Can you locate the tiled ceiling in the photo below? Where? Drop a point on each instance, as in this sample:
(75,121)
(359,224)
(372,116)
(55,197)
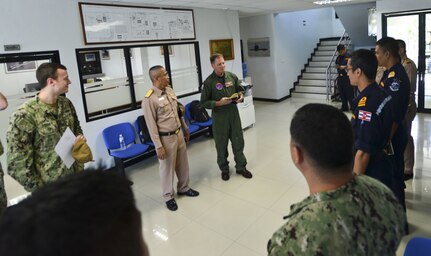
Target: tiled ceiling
(245,7)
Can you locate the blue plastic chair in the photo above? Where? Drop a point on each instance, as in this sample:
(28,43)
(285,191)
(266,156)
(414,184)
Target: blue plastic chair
(110,137)
(418,246)
(142,130)
(190,119)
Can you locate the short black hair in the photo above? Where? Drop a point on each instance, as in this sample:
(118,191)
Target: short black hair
(401,44)
(215,56)
(89,213)
(340,47)
(325,135)
(48,70)
(154,70)
(389,44)
(365,60)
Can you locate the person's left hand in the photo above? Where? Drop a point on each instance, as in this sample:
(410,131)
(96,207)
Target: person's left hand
(241,98)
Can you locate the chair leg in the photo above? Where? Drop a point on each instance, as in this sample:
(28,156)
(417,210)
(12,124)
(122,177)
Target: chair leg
(120,166)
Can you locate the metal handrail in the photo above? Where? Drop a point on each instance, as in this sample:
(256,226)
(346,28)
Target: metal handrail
(329,80)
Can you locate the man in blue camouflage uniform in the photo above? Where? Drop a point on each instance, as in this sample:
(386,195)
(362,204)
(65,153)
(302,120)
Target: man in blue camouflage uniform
(37,126)
(3,197)
(345,214)
(218,94)
(371,119)
(397,84)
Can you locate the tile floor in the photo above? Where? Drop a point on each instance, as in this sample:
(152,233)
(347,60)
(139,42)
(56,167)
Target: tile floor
(237,217)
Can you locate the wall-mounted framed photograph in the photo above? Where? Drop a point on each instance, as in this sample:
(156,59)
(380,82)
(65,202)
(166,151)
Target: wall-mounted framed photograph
(258,47)
(170,50)
(105,55)
(222,46)
(20,66)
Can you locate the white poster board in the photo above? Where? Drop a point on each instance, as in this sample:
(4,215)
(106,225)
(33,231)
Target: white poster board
(105,23)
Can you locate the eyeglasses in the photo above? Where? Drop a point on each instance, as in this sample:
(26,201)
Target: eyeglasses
(349,68)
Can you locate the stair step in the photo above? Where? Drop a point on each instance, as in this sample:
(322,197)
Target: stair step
(327,48)
(314,76)
(323,53)
(329,42)
(310,89)
(317,96)
(312,69)
(322,58)
(313,82)
(319,64)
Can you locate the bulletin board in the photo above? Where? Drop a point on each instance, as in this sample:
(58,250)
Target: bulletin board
(107,23)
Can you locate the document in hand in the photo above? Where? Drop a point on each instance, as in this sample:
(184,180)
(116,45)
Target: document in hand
(64,147)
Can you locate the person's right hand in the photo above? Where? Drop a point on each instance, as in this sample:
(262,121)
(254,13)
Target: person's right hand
(225,101)
(161,153)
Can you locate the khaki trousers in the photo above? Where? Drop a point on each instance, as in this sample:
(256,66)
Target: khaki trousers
(409,153)
(175,161)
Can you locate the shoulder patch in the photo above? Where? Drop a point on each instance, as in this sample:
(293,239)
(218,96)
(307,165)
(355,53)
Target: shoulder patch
(407,61)
(150,91)
(391,74)
(362,102)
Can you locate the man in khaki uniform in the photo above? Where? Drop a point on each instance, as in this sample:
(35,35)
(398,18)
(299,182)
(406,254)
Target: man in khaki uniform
(411,70)
(36,127)
(3,197)
(160,107)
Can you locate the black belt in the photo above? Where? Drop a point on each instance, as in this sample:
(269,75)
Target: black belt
(169,133)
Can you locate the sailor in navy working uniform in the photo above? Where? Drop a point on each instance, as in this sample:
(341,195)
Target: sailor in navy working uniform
(396,83)
(346,90)
(371,119)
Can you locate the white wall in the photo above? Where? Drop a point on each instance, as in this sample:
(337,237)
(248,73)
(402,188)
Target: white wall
(385,6)
(55,25)
(293,35)
(261,69)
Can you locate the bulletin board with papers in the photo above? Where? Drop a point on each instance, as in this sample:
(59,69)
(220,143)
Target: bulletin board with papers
(107,23)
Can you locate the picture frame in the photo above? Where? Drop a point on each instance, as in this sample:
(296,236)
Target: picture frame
(20,66)
(105,55)
(170,50)
(224,47)
(259,47)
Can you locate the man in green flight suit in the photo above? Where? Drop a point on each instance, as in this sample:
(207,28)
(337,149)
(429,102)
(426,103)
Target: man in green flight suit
(221,92)
(37,126)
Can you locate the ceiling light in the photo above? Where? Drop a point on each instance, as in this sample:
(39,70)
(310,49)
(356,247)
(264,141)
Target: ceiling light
(330,1)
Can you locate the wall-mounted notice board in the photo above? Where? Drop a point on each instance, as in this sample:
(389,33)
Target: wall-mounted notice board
(108,23)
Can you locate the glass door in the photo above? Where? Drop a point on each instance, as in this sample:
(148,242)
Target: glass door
(415,29)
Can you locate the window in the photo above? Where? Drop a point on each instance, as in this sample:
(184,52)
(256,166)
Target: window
(120,74)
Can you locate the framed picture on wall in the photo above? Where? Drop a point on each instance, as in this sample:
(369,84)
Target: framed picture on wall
(170,50)
(104,55)
(222,46)
(20,66)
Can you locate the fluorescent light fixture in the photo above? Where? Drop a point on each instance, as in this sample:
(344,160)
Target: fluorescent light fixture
(330,1)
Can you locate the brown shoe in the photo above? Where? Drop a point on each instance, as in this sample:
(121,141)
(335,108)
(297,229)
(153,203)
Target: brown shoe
(245,173)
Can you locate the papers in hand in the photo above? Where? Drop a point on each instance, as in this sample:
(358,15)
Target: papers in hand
(64,147)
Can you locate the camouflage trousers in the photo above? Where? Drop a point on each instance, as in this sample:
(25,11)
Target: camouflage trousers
(3,198)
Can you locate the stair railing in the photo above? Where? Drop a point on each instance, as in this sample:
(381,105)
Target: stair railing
(344,39)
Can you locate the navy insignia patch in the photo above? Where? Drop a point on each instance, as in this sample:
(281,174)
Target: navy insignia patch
(395,86)
(362,102)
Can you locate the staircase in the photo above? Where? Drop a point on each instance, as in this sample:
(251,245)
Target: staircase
(311,83)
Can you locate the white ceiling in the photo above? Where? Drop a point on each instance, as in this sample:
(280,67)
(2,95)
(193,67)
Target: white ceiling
(245,7)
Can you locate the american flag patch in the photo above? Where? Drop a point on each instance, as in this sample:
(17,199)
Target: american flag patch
(365,115)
